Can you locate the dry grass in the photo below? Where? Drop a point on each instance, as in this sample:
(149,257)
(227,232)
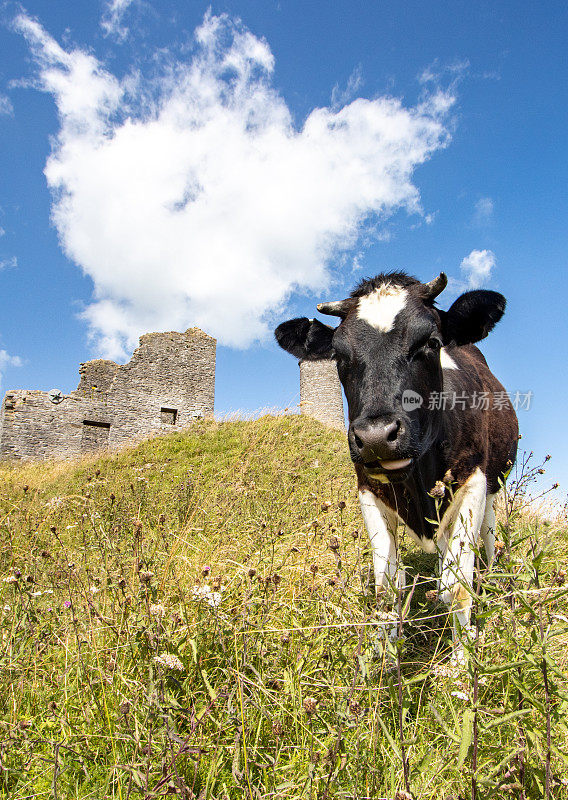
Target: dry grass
(236,552)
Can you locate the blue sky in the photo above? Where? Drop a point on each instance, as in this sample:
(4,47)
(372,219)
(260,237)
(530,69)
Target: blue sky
(232,164)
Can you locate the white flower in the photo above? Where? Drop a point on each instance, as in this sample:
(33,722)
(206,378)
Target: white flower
(94,589)
(169,661)
(460,695)
(206,593)
(10,579)
(55,502)
(157,610)
(37,594)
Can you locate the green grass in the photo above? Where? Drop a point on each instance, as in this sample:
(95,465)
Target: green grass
(280,690)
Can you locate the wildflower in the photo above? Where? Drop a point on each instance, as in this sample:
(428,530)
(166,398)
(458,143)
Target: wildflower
(460,695)
(205,570)
(354,708)
(157,610)
(170,661)
(94,590)
(146,576)
(355,534)
(310,705)
(439,489)
(431,595)
(37,594)
(54,502)
(205,593)
(67,603)
(341,504)
(314,568)
(326,505)
(333,543)
(251,572)
(10,579)
(499,547)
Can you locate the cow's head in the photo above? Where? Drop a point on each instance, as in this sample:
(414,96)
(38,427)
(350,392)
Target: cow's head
(387,346)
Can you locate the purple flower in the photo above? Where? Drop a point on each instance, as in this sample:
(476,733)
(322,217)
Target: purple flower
(67,603)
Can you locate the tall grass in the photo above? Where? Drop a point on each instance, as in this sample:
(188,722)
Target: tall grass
(196,617)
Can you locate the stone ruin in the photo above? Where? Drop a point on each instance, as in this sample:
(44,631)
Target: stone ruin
(320,393)
(168,382)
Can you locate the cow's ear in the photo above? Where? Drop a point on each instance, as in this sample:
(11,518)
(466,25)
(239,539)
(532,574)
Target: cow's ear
(472,316)
(305,338)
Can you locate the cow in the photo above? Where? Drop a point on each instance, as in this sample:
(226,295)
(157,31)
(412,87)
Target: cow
(432,433)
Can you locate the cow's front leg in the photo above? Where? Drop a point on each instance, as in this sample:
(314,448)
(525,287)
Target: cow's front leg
(457,545)
(380,523)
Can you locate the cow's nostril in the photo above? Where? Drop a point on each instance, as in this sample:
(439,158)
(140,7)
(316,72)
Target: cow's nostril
(393,431)
(358,441)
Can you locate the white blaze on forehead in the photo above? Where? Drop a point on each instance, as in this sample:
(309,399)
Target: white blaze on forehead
(380,308)
(447,361)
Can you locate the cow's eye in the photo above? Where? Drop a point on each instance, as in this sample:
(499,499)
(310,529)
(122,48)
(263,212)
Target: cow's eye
(433,343)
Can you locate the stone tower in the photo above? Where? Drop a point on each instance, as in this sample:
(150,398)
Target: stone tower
(320,392)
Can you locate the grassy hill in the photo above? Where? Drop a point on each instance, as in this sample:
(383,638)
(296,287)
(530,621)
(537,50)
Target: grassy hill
(194,617)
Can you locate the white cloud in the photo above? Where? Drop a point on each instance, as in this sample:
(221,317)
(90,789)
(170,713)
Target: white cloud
(341,96)
(483,212)
(477,267)
(7,360)
(7,263)
(193,199)
(6,107)
(111,21)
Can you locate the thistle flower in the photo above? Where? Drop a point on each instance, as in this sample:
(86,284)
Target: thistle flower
(439,489)
(310,705)
(169,661)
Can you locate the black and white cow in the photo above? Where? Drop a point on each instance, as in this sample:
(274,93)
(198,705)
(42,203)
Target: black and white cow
(423,408)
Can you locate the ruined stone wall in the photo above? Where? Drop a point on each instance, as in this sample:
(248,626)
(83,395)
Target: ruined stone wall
(169,381)
(320,392)
(96,377)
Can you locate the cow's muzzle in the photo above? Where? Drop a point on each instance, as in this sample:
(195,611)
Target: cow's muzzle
(380,445)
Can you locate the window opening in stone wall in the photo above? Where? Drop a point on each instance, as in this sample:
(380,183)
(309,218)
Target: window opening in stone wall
(95,435)
(168,416)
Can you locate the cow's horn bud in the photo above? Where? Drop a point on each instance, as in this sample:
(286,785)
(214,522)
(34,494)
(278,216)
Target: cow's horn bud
(437,285)
(339,308)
